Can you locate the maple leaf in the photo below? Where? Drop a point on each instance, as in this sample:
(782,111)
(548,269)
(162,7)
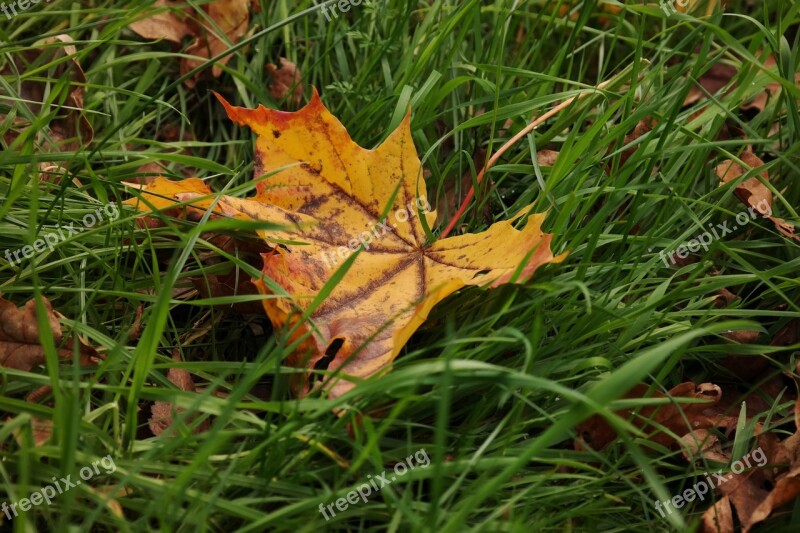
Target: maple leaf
(328,195)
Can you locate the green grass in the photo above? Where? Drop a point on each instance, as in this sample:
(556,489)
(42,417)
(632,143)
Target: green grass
(493,385)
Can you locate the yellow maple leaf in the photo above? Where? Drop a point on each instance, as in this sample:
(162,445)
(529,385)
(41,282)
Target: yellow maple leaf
(335,198)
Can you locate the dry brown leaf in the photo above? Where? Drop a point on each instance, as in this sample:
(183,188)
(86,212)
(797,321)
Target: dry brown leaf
(546,158)
(719,517)
(456,190)
(170,22)
(234,283)
(700,444)
(20,347)
(231,19)
(68,129)
(162,414)
(720,74)
(711,82)
(597,433)
(285,78)
(752,192)
(771,90)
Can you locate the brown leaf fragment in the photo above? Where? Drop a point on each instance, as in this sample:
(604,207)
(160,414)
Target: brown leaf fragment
(455,191)
(718,518)
(232,17)
(285,78)
(724,298)
(68,128)
(162,413)
(721,74)
(41,431)
(230,21)
(170,22)
(643,127)
(700,444)
(677,418)
(235,282)
(788,335)
(770,91)
(714,79)
(20,347)
(752,192)
(546,158)
(745,366)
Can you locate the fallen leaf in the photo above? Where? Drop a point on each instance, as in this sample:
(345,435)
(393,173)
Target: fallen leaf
(175,21)
(721,74)
(285,78)
(232,17)
(327,202)
(711,82)
(643,127)
(719,517)
(234,283)
(68,128)
(771,90)
(162,414)
(20,347)
(169,20)
(680,419)
(752,192)
(546,158)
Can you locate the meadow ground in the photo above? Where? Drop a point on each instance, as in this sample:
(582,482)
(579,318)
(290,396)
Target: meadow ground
(486,401)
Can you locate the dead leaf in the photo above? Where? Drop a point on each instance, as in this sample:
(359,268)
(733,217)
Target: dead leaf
(643,127)
(171,22)
(20,347)
(235,282)
(285,78)
(719,517)
(68,128)
(456,190)
(770,91)
(680,419)
(711,82)
(330,201)
(174,21)
(546,158)
(162,414)
(721,74)
(752,192)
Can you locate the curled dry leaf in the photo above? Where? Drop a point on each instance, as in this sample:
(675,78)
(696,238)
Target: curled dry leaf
(175,21)
(285,78)
(20,347)
(752,192)
(679,419)
(329,200)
